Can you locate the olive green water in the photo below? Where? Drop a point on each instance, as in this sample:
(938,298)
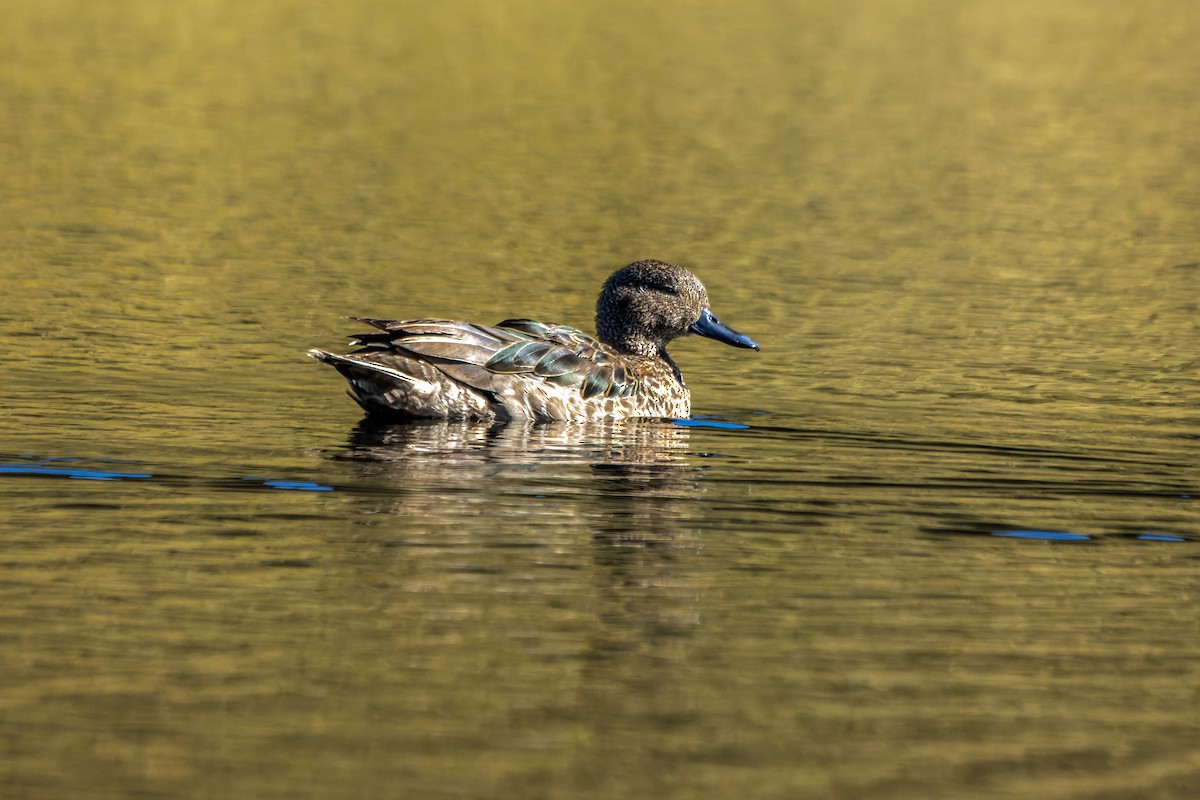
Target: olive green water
(945,547)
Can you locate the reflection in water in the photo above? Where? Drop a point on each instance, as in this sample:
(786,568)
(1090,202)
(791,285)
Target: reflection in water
(618,480)
(458,453)
(621,484)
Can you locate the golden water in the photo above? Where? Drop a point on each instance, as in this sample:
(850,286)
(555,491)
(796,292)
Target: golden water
(966,234)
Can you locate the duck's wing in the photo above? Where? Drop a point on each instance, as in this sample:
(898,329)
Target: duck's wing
(441,339)
(514,358)
(559,334)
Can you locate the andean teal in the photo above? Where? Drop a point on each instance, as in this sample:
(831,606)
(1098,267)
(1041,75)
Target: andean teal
(522,369)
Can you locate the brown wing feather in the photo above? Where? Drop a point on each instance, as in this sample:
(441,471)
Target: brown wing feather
(525,368)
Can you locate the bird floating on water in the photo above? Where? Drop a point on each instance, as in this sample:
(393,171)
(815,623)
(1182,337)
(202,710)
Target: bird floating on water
(522,369)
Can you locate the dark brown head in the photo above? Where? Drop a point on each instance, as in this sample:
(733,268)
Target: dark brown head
(647,304)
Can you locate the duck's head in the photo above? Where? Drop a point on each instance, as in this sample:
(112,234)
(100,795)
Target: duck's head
(647,304)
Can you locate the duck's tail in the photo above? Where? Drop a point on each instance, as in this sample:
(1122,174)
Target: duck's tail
(350,364)
(373,385)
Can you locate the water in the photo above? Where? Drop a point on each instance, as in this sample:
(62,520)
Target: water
(937,540)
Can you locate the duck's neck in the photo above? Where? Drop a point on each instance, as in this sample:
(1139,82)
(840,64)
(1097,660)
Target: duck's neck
(643,347)
(662,353)
(633,345)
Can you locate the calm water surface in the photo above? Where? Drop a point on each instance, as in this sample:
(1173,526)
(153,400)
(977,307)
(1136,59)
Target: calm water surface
(939,539)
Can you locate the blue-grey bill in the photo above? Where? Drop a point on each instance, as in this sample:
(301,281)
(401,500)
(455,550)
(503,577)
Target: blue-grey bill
(708,325)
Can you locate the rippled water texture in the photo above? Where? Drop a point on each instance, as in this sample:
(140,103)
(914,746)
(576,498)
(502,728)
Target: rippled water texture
(939,539)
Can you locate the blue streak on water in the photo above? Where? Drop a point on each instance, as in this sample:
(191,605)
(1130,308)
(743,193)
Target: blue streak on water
(301,486)
(102,475)
(1160,537)
(1050,536)
(66,472)
(708,423)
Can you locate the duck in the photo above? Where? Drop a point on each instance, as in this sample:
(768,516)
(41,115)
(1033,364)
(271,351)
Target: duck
(522,369)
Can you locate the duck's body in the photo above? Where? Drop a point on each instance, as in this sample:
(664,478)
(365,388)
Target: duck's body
(522,369)
(519,369)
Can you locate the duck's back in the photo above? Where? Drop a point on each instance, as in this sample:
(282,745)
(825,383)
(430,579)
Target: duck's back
(519,369)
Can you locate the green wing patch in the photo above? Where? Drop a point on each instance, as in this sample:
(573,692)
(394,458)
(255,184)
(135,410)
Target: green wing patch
(565,357)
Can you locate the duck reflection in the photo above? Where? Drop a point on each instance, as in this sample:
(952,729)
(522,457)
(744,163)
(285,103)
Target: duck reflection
(620,480)
(606,513)
(487,449)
